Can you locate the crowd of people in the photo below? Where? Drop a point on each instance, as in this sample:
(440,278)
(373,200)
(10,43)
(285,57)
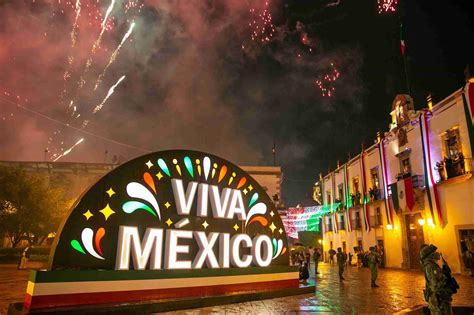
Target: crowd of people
(440,284)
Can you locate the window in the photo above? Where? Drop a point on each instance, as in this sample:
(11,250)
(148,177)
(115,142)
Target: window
(341,192)
(342,223)
(359,245)
(355,184)
(344,247)
(378,216)
(452,143)
(405,165)
(374,174)
(330,244)
(328,196)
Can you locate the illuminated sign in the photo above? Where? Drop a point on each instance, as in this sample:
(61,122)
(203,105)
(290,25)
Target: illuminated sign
(172,210)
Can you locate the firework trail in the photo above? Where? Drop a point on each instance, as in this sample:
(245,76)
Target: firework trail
(96,44)
(68,150)
(332,4)
(73,35)
(111,91)
(114,55)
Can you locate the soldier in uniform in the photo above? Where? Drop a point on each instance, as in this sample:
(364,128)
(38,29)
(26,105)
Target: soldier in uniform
(374,261)
(341,262)
(438,293)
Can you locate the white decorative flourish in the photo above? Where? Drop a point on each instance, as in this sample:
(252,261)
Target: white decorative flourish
(137,190)
(206,164)
(87,236)
(259,208)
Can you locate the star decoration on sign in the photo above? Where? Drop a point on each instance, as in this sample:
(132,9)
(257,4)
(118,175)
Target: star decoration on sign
(167,205)
(88,215)
(236,227)
(280,230)
(272,227)
(110,192)
(149,164)
(250,188)
(272,213)
(245,191)
(169,222)
(159,175)
(107,212)
(205,224)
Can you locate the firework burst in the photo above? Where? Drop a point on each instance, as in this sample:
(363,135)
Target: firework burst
(387,6)
(325,84)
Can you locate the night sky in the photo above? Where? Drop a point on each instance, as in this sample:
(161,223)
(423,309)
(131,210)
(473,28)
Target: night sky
(194,78)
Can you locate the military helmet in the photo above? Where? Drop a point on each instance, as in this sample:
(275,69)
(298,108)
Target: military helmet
(427,251)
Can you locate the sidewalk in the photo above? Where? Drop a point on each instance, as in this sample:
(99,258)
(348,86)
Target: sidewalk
(399,289)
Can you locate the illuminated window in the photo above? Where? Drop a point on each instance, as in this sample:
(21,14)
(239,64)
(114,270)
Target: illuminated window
(355,184)
(374,174)
(341,192)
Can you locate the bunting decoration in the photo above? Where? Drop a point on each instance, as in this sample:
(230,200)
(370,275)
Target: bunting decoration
(364,192)
(388,206)
(347,196)
(431,186)
(333,201)
(468,101)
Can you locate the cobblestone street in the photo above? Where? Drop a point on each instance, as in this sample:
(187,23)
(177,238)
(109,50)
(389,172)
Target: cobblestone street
(399,289)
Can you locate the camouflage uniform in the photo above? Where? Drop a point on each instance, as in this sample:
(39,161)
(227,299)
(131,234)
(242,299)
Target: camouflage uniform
(437,292)
(374,260)
(341,261)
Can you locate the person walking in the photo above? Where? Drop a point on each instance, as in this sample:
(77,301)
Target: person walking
(24,258)
(316,258)
(350,259)
(341,262)
(374,261)
(439,283)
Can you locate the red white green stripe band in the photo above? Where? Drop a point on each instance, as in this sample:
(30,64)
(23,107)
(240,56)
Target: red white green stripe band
(66,288)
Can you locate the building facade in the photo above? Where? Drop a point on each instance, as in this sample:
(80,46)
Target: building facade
(413,186)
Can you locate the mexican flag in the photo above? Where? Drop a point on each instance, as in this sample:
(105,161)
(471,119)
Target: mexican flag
(402,194)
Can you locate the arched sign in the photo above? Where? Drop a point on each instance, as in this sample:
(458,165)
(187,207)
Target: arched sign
(168,215)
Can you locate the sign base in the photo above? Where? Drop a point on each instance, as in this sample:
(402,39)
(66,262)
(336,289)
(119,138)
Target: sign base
(48,290)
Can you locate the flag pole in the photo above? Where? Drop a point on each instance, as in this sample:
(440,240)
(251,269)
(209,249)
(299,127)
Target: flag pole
(403,48)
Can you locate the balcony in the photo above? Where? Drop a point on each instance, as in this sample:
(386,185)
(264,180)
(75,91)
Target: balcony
(376,221)
(451,168)
(375,194)
(417,180)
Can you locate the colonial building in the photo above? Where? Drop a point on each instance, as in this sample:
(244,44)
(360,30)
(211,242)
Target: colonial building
(413,186)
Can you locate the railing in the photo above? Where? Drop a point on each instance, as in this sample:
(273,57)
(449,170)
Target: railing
(375,194)
(450,168)
(376,221)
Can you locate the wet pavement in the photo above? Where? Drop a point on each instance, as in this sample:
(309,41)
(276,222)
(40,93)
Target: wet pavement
(399,289)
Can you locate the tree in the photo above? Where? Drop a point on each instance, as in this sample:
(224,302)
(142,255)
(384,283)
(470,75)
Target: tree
(29,208)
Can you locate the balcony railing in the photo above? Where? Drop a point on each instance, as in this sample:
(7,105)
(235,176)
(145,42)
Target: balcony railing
(375,194)
(376,221)
(450,168)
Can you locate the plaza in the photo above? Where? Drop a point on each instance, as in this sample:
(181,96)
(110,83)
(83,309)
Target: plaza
(399,290)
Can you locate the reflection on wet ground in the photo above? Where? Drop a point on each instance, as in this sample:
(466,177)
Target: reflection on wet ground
(399,289)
